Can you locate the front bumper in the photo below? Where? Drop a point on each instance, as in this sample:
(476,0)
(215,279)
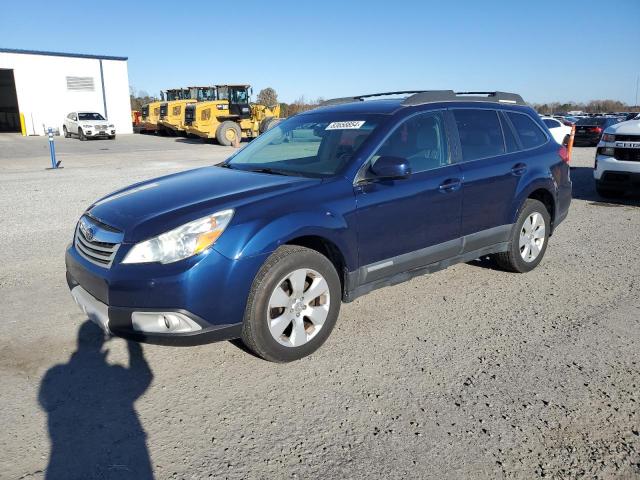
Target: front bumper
(110,132)
(209,289)
(605,163)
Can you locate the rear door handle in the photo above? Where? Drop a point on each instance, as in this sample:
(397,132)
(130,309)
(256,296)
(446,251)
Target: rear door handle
(450,185)
(519,169)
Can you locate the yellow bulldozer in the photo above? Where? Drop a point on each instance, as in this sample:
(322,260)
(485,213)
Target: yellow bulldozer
(171,121)
(230,117)
(150,116)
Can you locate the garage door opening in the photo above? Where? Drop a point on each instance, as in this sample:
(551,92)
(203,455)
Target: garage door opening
(9,115)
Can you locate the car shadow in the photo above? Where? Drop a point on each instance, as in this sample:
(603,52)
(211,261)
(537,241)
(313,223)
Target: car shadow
(93,426)
(584,188)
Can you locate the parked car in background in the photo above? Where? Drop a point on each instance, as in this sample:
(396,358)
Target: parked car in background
(589,130)
(323,208)
(558,129)
(617,168)
(88,125)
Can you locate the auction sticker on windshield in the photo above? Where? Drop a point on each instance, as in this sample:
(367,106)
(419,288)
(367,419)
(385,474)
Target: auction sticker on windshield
(352,125)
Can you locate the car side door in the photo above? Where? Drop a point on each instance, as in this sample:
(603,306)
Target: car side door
(491,170)
(407,223)
(497,155)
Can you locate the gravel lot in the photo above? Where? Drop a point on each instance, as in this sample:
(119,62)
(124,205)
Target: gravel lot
(467,373)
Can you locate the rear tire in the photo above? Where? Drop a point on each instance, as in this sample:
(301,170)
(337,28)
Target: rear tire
(228,133)
(314,316)
(81,135)
(529,239)
(268,123)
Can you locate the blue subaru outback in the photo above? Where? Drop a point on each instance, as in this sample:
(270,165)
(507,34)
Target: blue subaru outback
(331,204)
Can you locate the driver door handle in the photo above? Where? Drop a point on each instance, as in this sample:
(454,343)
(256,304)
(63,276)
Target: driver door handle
(450,185)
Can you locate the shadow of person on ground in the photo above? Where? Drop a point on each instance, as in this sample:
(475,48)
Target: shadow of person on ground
(93,426)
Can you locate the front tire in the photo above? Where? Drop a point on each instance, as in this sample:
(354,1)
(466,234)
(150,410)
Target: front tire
(228,133)
(293,304)
(529,239)
(81,135)
(65,131)
(112,137)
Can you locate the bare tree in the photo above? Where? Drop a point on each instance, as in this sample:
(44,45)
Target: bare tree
(268,97)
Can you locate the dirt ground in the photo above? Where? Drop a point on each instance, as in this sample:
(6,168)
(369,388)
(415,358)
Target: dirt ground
(466,373)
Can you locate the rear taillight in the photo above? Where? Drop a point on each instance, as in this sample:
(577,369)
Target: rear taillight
(595,129)
(564,154)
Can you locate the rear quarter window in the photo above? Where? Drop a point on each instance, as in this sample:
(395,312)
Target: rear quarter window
(529,132)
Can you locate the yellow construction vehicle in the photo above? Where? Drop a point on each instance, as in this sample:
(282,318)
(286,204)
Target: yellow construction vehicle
(171,121)
(150,117)
(229,117)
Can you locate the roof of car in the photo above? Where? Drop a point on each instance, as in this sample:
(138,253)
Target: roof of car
(373,104)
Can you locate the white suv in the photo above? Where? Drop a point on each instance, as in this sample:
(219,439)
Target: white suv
(88,125)
(617,168)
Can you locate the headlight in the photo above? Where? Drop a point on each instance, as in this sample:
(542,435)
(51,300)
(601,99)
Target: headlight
(112,126)
(182,242)
(608,137)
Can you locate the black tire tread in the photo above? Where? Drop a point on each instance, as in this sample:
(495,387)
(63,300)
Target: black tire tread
(506,260)
(248,336)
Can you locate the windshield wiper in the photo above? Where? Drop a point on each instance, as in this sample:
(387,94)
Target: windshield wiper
(270,171)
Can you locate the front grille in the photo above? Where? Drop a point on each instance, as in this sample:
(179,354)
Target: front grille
(627,138)
(627,154)
(99,253)
(101,127)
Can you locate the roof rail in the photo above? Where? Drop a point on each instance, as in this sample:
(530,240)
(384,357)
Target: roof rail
(360,98)
(419,97)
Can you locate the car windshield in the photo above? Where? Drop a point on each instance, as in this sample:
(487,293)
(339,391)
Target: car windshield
(90,116)
(313,145)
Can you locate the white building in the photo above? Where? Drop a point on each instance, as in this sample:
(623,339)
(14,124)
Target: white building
(45,86)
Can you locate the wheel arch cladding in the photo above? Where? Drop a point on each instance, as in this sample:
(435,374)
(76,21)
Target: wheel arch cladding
(327,248)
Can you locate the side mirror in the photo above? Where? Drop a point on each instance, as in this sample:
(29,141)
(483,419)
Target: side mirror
(391,168)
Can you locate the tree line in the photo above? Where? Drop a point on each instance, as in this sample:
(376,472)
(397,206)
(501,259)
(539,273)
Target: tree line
(594,106)
(269,97)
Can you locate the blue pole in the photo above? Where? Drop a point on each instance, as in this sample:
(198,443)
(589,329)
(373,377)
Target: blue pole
(52,150)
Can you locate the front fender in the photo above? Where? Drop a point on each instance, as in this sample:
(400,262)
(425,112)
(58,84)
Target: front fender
(259,238)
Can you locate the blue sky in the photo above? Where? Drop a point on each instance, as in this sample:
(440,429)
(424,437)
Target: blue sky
(545,50)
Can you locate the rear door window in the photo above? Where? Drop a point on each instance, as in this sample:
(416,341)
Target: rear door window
(480,133)
(530,133)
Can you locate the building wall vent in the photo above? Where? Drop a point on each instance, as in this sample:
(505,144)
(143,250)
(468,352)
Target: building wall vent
(83,84)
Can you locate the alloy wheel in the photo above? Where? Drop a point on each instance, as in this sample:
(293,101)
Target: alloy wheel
(298,307)
(532,237)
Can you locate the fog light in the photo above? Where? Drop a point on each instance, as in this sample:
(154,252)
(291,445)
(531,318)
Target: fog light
(163,322)
(608,151)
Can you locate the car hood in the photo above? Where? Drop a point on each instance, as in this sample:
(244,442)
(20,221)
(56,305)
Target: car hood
(630,127)
(149,208)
